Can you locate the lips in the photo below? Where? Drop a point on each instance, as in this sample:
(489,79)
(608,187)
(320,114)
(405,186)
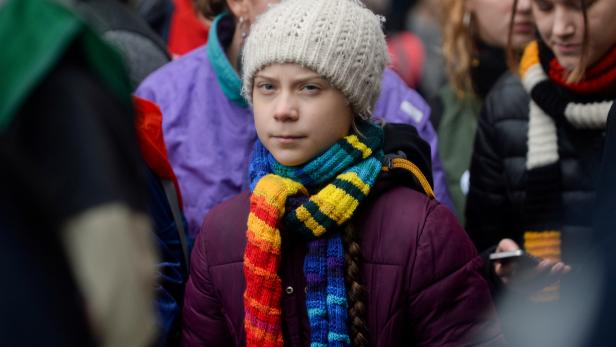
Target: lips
(287,136)
(287,139)
(567,48)
(523,28)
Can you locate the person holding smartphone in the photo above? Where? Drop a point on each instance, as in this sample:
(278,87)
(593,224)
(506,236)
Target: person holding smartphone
(538,149)
(540,137)
(539,142)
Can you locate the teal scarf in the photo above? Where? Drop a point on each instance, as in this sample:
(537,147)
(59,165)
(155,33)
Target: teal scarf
(227,77)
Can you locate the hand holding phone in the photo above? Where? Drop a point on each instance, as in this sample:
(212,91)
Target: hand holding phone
(519,269)
(521,258)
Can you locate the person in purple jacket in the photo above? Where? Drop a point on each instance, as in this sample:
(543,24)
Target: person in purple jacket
(208,126)
(327,249)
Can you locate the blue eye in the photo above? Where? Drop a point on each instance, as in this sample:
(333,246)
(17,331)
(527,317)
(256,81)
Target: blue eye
(265,87)
(311,88)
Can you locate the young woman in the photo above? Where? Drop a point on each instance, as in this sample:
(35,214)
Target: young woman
(208,126)
(540,139)
(324,250)
(475,41)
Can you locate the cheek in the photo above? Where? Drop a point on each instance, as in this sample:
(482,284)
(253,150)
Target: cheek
(342,128)
(544,28)
(332,132)
(343,123)
(543,22)
(601,33)
(259,127)
(492,29)
(259,118)
(501,29)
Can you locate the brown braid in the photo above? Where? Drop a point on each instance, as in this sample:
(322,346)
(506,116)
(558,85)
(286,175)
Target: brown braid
(356,292)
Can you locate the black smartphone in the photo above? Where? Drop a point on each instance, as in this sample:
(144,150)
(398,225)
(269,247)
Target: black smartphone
(518,256)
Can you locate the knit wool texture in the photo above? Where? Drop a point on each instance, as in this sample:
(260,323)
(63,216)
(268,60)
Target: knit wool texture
(340,40)
(343,176)
(598,78)
(543,202)
(547,105)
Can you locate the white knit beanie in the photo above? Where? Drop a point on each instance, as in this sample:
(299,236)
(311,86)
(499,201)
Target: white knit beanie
(341,40)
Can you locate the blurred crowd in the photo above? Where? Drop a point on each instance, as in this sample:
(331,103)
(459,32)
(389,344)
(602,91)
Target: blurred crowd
(129,128)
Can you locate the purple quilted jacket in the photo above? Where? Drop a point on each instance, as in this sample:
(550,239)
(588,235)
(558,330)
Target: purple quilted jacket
(421,272)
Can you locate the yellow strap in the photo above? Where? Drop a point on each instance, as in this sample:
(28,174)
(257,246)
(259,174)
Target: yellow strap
(401,163)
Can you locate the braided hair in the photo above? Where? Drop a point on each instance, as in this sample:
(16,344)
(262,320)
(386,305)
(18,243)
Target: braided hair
(356,291)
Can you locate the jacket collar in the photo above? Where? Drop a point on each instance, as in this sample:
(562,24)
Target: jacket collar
(228,79)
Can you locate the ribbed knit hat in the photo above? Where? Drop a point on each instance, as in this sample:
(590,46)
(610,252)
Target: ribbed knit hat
(341,40)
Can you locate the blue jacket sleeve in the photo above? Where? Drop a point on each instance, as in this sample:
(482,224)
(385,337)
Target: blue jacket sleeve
(172,272)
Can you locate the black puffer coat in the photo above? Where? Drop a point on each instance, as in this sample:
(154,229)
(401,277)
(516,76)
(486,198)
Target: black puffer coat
(498,171)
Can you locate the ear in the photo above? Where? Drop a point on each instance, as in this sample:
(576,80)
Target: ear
(239,8)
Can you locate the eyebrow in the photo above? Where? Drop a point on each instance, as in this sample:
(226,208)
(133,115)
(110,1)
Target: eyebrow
(303,78)
(586,3)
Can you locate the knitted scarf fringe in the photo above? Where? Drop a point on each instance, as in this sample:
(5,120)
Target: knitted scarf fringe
(542,138)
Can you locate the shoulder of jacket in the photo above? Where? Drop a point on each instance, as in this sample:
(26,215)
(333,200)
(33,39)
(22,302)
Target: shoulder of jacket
(223,233)
(400,209)
(507,99)
(399,103)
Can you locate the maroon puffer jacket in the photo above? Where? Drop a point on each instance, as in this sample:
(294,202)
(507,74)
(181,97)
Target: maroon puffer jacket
(421,271)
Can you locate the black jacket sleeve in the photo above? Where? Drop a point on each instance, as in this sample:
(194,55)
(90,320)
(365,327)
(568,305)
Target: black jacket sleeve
(490,214)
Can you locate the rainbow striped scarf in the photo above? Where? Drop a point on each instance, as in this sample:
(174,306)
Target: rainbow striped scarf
(343,176)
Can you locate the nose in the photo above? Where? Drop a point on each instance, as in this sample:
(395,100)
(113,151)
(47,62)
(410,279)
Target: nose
(564,22)
(523,6)
(285,108)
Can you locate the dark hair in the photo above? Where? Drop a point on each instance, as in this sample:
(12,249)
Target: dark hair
(578,73)
(356,291)
(210,8)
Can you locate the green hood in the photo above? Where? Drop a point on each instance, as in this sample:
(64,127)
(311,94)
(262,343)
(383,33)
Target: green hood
(35,35)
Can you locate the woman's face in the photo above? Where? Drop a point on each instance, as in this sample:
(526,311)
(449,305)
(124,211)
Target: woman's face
(492,18)
(298,114)
(561,25)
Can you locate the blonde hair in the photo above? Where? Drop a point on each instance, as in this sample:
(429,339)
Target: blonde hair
(458,46)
